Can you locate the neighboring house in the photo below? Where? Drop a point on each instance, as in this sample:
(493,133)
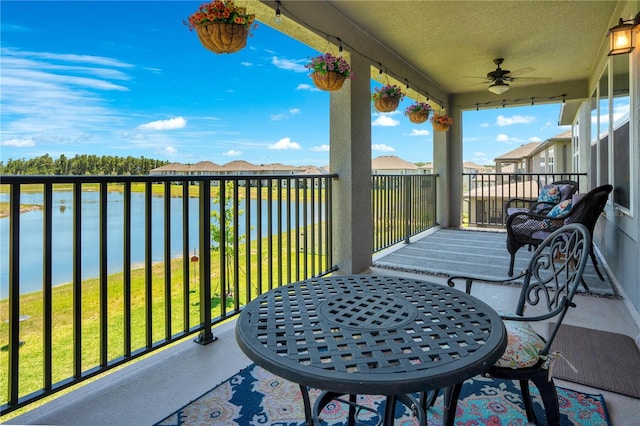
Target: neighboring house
(553,155)
(392,165)
(171,169)
(550,156)
(427,168)
(520,158)
(476,175)
(384,165)
(486,203)
(471,167)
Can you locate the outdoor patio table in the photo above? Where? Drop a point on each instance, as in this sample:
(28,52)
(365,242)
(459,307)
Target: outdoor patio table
(372,335)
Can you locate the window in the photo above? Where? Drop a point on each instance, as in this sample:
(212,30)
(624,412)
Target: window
(593,155)
(603,128)
(621,135)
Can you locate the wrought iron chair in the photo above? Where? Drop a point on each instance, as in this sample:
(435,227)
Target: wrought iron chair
(525,228)
(549,196)
(550,282)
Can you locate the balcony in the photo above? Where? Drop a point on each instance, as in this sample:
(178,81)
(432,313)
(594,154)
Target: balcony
(150,389)
(160,368)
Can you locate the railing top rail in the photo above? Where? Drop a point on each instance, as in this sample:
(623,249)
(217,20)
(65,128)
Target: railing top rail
(13,179)
(529,174)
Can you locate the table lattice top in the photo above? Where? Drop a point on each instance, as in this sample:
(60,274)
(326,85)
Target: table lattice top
(371,334)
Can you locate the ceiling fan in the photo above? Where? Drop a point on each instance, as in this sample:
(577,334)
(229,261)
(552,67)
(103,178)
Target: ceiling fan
(500,78)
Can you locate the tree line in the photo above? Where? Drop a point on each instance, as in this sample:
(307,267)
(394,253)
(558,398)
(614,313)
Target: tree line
(80,165)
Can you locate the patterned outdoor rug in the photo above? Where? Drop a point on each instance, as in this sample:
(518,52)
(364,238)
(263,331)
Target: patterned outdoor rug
(481,254)
(256,397)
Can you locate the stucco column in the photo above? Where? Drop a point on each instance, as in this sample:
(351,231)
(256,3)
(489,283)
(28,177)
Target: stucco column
(447,163)
(350,158)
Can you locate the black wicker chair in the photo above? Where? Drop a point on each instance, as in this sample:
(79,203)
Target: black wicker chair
(518,205)
(526,228)
(550,282)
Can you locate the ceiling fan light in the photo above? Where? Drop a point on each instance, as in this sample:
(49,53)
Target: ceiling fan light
(499,88)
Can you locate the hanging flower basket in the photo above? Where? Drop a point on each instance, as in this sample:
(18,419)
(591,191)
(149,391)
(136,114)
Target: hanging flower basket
(222,38)
(386,104)
(418,112)
(331,81)
(418,117)
(387,98)
(441,122)
(329,72)
(222,27)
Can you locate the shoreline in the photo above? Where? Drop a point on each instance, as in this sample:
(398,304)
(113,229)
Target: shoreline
(4,211)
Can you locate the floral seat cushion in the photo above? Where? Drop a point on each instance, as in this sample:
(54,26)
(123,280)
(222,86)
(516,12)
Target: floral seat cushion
(523,346)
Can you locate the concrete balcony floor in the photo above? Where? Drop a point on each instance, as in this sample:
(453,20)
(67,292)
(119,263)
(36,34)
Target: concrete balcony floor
(149,390)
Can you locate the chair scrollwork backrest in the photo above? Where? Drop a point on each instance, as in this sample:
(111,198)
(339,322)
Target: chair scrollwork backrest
(554,274)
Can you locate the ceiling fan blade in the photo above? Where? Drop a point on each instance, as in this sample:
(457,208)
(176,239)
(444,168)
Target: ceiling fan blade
(530,78)
(521,71)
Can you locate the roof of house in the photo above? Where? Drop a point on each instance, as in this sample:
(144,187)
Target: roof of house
(562,136)
(173,167)
(206,166)
(519,153)
(240,165)
(391,162)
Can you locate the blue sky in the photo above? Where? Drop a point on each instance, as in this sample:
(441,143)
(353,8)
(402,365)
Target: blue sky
(129,79)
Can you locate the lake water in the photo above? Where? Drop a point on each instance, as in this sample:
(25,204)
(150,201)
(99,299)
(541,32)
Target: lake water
(31,252)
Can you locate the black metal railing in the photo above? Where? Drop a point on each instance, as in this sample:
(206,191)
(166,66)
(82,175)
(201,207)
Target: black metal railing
(402,206)
(484,194)
(149,260)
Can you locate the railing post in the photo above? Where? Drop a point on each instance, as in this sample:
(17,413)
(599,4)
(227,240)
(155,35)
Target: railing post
(407,208)
(206,336)
(13,376)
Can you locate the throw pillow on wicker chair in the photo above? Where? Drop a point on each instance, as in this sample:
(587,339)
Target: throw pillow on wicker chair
(556,211)
(523,345)
(549,194)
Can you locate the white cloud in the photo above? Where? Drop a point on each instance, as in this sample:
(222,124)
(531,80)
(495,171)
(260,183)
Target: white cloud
(66,99)
(285,143)
(19,143)
(419,132)
(304,86)
(246,64)
(535,139)
(171,124)
(509,139)
(170,150)
(232,153)
(285,115)
(295,65)
(516,119)
(385,121)
(485,125)
(382,147)
(321,148)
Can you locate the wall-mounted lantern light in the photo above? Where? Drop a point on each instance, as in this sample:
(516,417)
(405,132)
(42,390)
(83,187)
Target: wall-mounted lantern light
(622,36)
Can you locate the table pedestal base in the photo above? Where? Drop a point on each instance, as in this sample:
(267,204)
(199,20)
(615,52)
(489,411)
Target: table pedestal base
(354,409)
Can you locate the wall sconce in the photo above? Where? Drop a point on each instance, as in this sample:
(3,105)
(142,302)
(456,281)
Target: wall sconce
(622,36)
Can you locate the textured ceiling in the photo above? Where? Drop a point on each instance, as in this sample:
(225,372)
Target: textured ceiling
(447,47)
(454,41)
